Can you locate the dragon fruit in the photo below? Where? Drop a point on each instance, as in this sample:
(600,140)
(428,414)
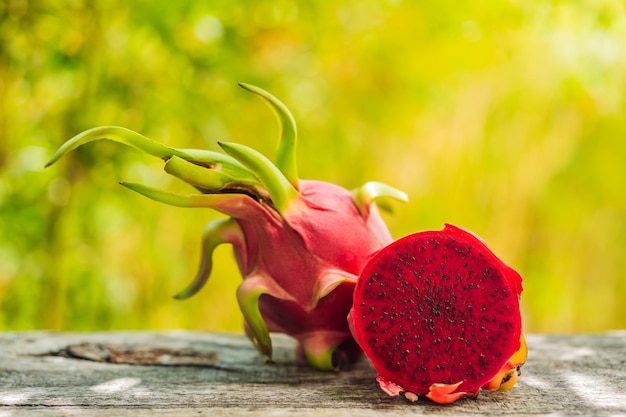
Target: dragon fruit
(299,244)
(438,315)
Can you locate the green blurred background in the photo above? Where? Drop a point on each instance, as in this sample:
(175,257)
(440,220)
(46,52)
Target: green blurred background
(503,117)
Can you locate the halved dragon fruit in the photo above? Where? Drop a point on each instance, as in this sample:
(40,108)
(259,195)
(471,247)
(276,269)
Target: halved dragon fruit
(300,245)
(438,315)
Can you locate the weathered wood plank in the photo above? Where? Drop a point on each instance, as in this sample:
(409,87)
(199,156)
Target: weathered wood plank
(223,375)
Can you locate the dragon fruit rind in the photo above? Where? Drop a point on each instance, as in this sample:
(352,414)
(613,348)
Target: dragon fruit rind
(299,244)
(438,315)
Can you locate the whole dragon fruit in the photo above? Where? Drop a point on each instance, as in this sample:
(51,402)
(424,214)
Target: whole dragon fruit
(438,315)
(300,245)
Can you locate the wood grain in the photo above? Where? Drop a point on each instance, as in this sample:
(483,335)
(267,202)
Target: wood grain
(193,374)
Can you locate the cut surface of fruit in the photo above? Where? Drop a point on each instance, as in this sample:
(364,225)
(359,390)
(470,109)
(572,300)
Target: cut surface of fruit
(436,309)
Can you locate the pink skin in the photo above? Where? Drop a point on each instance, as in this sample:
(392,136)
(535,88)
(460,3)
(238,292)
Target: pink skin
(323,234)
(300,268)
(441,328)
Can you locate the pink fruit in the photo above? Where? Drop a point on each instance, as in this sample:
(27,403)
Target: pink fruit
(438,315)
(300,245)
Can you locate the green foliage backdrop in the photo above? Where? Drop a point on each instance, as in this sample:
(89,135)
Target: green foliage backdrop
(503,117)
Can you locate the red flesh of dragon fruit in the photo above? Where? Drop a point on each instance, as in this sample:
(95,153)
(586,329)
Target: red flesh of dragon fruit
(300,245)
(438,315)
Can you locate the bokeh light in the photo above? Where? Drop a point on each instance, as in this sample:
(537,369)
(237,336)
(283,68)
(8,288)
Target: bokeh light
(503,117)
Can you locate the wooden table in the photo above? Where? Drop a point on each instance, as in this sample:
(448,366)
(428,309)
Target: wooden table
(198,374)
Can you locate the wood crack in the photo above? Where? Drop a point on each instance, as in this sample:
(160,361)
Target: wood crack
(138,355)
